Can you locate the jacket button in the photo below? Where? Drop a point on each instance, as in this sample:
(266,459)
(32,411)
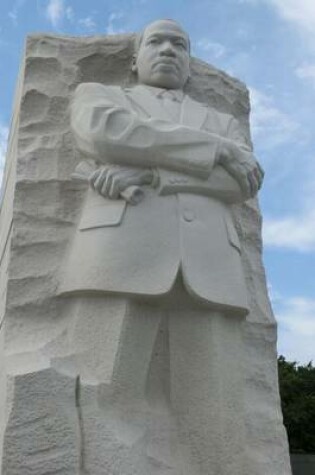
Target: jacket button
(188,215)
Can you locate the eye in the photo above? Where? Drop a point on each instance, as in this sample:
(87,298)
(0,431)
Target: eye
(153,41)
(180,44)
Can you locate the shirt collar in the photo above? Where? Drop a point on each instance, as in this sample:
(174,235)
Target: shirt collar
(176,94)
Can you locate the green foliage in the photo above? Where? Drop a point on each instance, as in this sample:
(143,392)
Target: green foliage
(297,390)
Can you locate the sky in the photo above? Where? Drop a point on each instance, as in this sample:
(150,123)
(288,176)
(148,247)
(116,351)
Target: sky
(269,45)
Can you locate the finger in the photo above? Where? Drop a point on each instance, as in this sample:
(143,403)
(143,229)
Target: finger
(246,186)
(115,189)
(261,179)
(253,183)
(244,182)
(97,174)
(93,177)
(240,175)
(260,169)
(108,182)
(256,173)
(259,172)
(122,179)
(98,183)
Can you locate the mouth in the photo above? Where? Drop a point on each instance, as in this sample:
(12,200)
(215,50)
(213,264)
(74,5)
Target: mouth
(166,63)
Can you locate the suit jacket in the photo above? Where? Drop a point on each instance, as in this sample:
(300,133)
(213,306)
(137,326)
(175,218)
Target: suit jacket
(184,223)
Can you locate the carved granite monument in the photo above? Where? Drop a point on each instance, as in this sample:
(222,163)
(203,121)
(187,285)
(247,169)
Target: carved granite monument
(137,337)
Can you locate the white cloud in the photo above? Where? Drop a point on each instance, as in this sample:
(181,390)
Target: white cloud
(296,317)
(3,147)
(294,232)
(300,12)
(13,14)
(88,23)
(111,28)
(274,295)
(55,12)
(270,126)
(69,13)
(307,71)
(216,50)
(13,17)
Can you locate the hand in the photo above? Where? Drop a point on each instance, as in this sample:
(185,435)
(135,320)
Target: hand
(112,180)
(246,171)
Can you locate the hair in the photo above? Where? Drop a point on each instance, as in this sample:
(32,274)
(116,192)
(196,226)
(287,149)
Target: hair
(139,36)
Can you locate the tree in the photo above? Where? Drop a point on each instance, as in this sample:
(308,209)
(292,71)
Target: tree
(297,390)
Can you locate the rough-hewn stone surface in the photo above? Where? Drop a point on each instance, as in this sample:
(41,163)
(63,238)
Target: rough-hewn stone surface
(40,404)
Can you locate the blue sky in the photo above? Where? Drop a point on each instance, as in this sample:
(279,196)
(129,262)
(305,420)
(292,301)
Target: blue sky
(268,44)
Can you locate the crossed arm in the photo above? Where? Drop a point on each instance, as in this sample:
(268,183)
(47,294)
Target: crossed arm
(131,147)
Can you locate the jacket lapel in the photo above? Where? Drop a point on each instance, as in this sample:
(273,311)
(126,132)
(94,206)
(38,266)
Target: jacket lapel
(193,113)
(142,98)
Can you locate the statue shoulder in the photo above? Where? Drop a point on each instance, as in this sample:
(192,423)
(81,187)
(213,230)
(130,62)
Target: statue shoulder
(94,88)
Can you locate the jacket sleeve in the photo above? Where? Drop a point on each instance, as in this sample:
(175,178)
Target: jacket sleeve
(107,129)
(219,185)
(235,133)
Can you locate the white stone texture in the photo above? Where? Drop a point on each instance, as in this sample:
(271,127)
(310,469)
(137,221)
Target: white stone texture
(48,419)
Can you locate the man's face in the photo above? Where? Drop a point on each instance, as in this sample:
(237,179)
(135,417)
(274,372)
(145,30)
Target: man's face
(163,57)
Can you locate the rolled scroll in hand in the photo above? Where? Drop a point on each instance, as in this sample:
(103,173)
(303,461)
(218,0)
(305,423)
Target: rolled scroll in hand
(84,170)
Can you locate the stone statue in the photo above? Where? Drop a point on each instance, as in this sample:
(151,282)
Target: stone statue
(136,335)
(173,258)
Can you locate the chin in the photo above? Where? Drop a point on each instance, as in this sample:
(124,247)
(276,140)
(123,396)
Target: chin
(166,82)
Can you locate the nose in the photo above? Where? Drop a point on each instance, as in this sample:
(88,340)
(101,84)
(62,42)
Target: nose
(167,49)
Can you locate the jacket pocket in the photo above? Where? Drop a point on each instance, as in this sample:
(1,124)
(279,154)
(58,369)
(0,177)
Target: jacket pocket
(108,213)
(232,233)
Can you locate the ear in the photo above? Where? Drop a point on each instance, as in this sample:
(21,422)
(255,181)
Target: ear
(134,67)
